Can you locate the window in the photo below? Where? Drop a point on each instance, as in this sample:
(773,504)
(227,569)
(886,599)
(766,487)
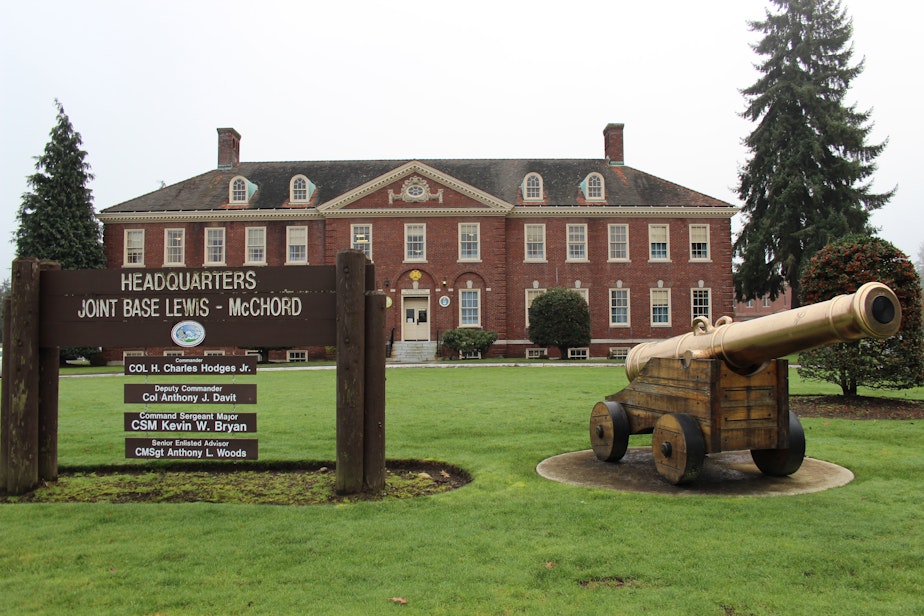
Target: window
(215,246)
(577,242)
(174,353)
(296,245)
(531,295)
(469,241)
(701,303)
(174,247)
(297,355)
(699,242)
(134,248)
(532,187)
(660,307)
(415,242)
(658,243)
(470,308)
(619,307)
(300,189)
(213,353)
(362,239)
(619,242)
(535,242)
(592,187)
(579,353)
(238,190)
(255,246)
(767,302)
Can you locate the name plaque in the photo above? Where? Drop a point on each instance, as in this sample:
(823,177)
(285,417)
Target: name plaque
(191,448)
(180,365)
(224,423)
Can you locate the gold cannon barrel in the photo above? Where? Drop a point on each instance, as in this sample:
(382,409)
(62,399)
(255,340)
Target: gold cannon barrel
(873,311)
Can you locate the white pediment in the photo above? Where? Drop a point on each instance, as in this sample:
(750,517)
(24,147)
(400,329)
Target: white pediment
(422,192)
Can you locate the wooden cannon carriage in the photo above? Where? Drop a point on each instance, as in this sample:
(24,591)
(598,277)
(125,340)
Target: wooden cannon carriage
(722,388)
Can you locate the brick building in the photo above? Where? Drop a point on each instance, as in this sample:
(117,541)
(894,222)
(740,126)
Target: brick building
(456,243)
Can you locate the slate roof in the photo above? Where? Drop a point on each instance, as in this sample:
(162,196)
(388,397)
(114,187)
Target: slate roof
(501,178)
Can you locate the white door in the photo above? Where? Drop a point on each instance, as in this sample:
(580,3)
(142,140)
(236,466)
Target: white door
(416,318)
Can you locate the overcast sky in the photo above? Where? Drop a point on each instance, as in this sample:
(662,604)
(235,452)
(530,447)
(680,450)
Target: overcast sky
(147,83)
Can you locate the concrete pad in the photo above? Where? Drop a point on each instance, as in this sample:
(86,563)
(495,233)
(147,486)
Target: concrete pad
(724,474)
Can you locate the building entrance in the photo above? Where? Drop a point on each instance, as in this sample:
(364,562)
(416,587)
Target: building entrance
(416,319)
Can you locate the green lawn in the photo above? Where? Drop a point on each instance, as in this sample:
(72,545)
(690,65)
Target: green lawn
(510,542)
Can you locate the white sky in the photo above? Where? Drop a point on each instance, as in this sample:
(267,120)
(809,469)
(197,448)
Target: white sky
(147,83)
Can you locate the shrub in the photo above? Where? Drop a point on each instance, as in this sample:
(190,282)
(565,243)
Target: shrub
(468,340)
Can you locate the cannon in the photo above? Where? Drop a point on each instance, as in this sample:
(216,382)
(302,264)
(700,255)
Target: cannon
(724,387)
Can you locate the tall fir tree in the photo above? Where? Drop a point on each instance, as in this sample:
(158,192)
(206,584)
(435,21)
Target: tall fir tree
(808,179)
(57,220)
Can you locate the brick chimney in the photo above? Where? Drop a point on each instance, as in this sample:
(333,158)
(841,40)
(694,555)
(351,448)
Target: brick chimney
(612,144)
(229,148)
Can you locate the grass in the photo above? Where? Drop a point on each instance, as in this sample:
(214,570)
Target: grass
(510,542)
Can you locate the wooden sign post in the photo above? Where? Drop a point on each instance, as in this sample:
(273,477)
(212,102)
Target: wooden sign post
(266,306)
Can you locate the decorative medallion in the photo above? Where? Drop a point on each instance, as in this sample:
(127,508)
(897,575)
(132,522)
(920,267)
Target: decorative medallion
(415,190)
(415,275)
(445,301)
(188,333)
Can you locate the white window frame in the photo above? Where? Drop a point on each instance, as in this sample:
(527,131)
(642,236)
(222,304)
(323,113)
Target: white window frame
(594,187)
(660,299)
(254,245)
(290,244)
(532,187)
(613,306)
(208,245)
(465,296)
(174,353)
(133,249)
(579,353)
(531,295)
(213,353)
(615,242)
(363,243)
(654,233)
(699,236)
(168,247)
(299,189)
(238,190)
(535,258)
(293,355)
(415,238)
(576,241)
(697,297)
(466,231)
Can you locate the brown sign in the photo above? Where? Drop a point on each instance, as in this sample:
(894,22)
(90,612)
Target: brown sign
(189,393)
(224,423)
(191,448)
(259,306)
(180,365)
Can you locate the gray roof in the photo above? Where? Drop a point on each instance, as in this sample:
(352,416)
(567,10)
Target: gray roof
(501,178)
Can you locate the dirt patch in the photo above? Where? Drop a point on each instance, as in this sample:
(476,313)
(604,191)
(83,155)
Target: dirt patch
(256,484)
(856,407)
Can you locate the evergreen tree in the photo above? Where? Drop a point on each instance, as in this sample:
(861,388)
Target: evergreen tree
(560,318)
(56,218)
(894,363)
(808,178)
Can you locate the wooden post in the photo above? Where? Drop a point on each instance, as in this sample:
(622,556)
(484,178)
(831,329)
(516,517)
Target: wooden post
(22,444)
(374,430)
(49,368)
(5,399)
(351,304)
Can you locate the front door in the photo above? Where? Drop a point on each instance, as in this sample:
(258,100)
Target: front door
(416,318)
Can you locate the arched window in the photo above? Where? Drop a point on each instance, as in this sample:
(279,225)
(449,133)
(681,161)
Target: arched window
(300,189)
(532,187)
(241,190)
(592,187)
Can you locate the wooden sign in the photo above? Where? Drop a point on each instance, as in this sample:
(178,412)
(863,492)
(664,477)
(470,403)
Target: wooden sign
(233,365)
(159,421)
(189,393)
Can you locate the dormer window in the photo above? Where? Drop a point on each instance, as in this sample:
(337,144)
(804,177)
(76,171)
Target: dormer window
(592,187)
(300,189)
(241,190)
(532,187)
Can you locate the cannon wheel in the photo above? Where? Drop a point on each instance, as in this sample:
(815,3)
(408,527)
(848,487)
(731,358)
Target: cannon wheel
(678,447)
(609,431)
(782,462)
